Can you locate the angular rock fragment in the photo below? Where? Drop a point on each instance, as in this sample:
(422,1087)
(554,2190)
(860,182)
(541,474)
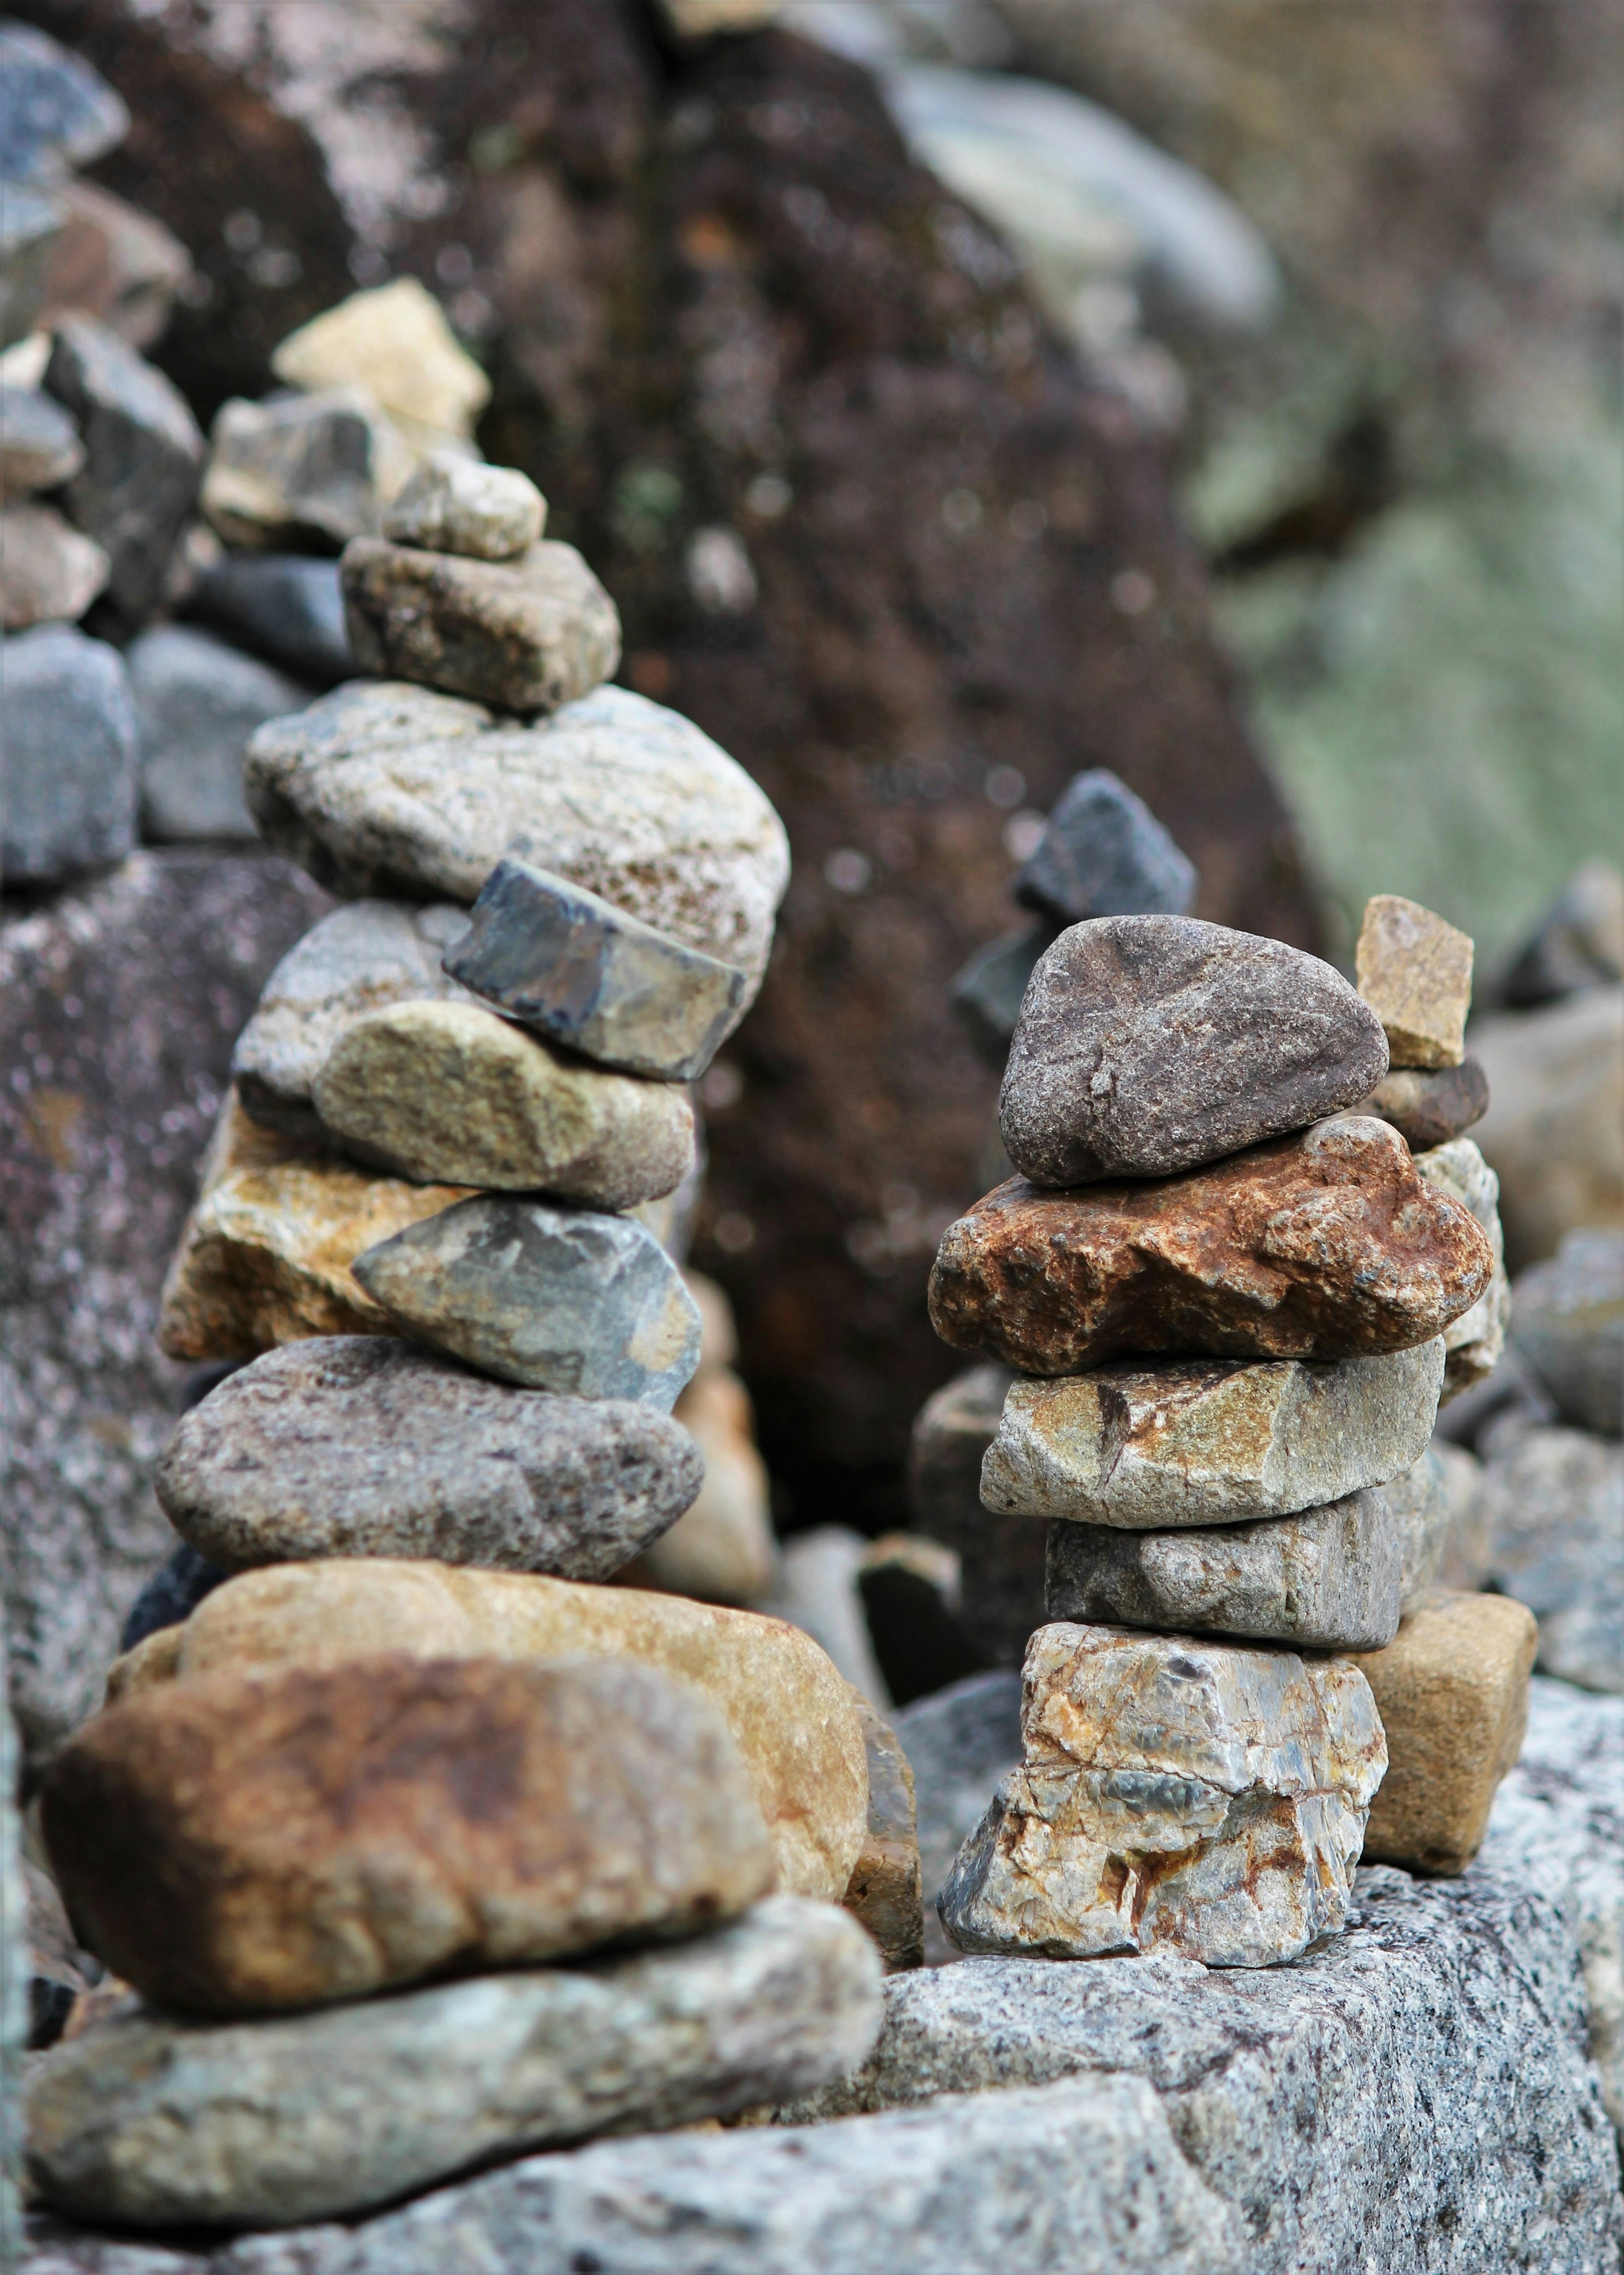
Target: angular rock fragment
(988,993)
(1551,1503)
(197,701)
(1428,1106)
(1569,1325)
(39,448)
(282,605)
(1105,854)
(48,574)
(1416,972)
(1554,1130)
(453,504)
(303,467)
(1000,1556)
(525,635)
(1172,1795)
(1318,1245)
(56,111)
(1181,1442)
(884,1890)
(1148,1045)
(153,2123)
(395,342)
(595,979)
(553,1298)
(1452,1691)
(68,740)
(1476,1337)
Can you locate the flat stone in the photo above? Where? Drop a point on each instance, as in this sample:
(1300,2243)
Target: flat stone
(48,574)
(282,605)
(363,1446)
(70,749)
(1148,1045)
(1554,1130)
(1416,972)
(143,451)
(259,1840)
(1452,1691)
(172,1594)
(1319,1245)
(453,504)
(1327,1580)
(1001,1557)
(395,342)
(791,1716)
(554,1298)
(1428,1106)
(395,790)
(449,1093)
(1475,1338)
(988,993)
(55,110)
(1172,1795)
(1570,1327)
(39,448)
(1578,943)
(588,976)
(1551,1503)
(1105,854)
(303,467)
(525,635)
(884,1889)
(722,1550)
(1189,1442)
(197,701)
(151,2122)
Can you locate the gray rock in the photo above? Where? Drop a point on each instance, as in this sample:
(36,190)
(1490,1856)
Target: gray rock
(54,111)
(303,467)
(1554,1130)
(31,228)
(453,504)
(590,977)
(961,1744)
(1428,1106)
(1552,1504)
(1105,854)
(197,701)
(1578,943)
(988,993)
(67,756)
(1473,1342)
(15,1969)
(1425,1500)
(549,1297)
(39,448)
(1154,1043)
(1327,1580)
(395,790)
(283,607)
(1569,1325)
(1001,1557)
(156,2123)
(817,1592)
(142,454)
(1176,1442)
(362,1446)
(48,573)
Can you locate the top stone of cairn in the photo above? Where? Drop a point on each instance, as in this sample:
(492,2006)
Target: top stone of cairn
(1105,854)
(1416,973)
(455,504)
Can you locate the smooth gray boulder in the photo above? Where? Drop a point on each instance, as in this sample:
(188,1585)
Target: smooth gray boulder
(1104,854)
(197,701)
(1569,1325)
(67,756)
(1551,1503)
(285,607)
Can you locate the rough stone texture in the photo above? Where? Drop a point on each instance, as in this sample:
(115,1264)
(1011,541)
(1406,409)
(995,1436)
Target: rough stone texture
(1425,1502)
(117,1008)
(1328,1580)
(590,977)
(1475,1338)
(988,993)
(554,1298)
(284,606)
(394,789)
(302,467)
(1578,943)
(1148,1045)
(1416,973)
(151,2122)
(961,1743)
(197,701)
(453,505)
(1105,854)
(142,454)
(1318,1245)
(14,1984)
(1428,1106)
(56,111)
(68,747)
(449,1093)
(1451,1692)
(1570,1327)
(260,1840)
(722,1549)
(884,1890)
(1181,1442)
(525,635)
(1551,1502)
(395,342)
(790,1714)
(360,1445)
(48,574)
(39,448)
(1554,1130)
(1001,1557)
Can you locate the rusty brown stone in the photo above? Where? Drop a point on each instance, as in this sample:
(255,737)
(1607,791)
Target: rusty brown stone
(1325,1244)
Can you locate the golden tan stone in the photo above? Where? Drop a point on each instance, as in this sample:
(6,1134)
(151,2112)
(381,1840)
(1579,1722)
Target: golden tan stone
(1416,973)
(721,1549)
(1452,1691)
(395,341)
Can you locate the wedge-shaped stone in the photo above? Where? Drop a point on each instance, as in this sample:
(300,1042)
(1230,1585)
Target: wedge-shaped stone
(1148,1045)
(395,342)
(1209,1441)
(1475,1338)
(1428,1106)
(1452,1691)
(393,789)
(364,1446)
(554,1298)
(595,979)
(1174,1794)
(1318,1245)
(455,504)
(449,1093)
(156,2123)
(1416,973)
(1105,854)
(791,1716)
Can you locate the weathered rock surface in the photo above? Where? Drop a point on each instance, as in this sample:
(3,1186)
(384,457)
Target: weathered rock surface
(1554,1130)
(151,2122)
(1105,854)
(1318,1245)
(395,342)
(1148,1045)
(1179,1442)
(1001,1557)
(1425,1500)
(284,606)
(68,739)
(48,573)
(361,1445)
(197,701)
(1551,1503)
(1475,1338)
(884,1890)
(1570,1327)
(1428,1106)
(39,448)
(555,1298)
(595,979)
(790,1715)
(1176,1794)
(453,504)
(259,1841)
(393,789)
(301,467)
(1416,973)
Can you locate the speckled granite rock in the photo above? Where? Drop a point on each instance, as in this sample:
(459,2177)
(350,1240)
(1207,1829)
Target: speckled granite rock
(453,504)
(1570,1327)
(1416,972)
(70,756)
(1428,1106)
(1475,1338)
(1551,1502)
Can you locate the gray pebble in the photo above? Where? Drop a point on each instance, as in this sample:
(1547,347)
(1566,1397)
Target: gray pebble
(68,740)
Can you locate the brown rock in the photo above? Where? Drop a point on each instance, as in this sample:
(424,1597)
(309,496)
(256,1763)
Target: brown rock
(1416,973)
(1452,1691)
(263,1839)
(1429,1106)
(885,1891)
(1325,1244)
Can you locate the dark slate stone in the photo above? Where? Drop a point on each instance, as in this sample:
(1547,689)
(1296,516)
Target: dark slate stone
(54,111)
(1428,1106)
(987,992)
(1105,854)
(172,1595)
(282,605)
(68,752)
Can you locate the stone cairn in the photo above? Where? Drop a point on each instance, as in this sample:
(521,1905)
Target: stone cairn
(1223,1299)
(394,1754)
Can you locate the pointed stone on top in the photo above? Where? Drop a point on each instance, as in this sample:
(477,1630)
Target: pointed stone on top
(1416,973)
(1105,854)
(455,504)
